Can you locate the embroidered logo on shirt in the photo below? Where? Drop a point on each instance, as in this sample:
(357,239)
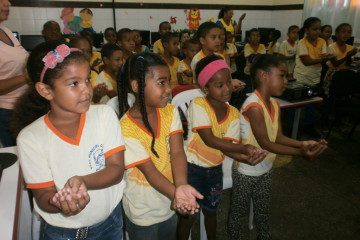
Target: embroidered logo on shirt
(97,158)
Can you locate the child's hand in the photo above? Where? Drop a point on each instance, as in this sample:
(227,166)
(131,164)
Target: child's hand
(97,62)
(185,199)
(100,90)
(70,203)
(242,17)
(254,154)
(351,53)
(237,85)
(313,148)
(188,73)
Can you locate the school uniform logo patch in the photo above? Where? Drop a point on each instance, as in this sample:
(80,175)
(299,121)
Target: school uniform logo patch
(97,158)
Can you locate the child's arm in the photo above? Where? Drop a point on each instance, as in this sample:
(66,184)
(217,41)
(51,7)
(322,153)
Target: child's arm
(111,94)
(239,152)
(100,90)
(346,59)
(282,145)
(185,195)
(179,77)
(188,73)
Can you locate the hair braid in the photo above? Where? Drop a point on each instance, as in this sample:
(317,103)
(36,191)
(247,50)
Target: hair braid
(122,87)
(141,93)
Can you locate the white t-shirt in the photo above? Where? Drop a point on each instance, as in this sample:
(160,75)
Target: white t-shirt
(287,49)
(49,158)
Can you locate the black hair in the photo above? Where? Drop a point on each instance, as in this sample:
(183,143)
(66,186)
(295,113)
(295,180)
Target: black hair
(292,27)
(204,29)
(223,11)
(136,68)
(108,50)
(30,106)
(88,10)
(184,32)
(251,31)
(276,33)
(325,26)
(204,62)
(122,32)
(166,38)
(226,38)
(109,29)
(264,62)
(162,23)
(88,34)
(190,41)
(341,26)
(48,23)
(73,39)
(307,24)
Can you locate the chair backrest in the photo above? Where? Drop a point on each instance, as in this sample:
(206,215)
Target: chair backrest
(114,103)
(181,88)
(343,83)
(183,99)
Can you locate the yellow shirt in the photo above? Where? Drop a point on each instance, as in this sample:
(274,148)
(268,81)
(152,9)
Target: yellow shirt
(230,27)
(143,204)
(158,47)
(271,117)
(173,70)
(288,49)
(309,74)
(183,66)
(273,48)
(248,50)
(111,84)
(200,55)
(334,48)
(202,115)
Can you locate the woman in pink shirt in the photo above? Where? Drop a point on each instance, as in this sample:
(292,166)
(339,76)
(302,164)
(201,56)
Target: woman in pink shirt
(13,79)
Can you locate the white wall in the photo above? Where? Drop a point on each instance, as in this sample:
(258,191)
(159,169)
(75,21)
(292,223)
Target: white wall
(29,20)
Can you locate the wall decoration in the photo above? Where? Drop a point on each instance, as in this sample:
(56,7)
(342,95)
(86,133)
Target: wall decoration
(194,18)
(74,24)
(210,19)
(173,20)
(86,15)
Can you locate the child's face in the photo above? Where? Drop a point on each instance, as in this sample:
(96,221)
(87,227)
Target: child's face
(72,91)
(228,15)
(343,34)
(293,35)
(184,37)
(127,42)
(115,62)
(277,80)
(84,46)
(4,10)
(157,90)
(110,36)
(271,37)
(212,40)
(326,33)
(219,87)
(52,32)
(192,50)
(172,46)
(313,32)
(166,27)
(137,38)
(254,38)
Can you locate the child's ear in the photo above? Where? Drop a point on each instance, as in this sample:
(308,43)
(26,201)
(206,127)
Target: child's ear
(105,60)
(44,90)
(202,40)
(262,75)
(134,86)
(204,89)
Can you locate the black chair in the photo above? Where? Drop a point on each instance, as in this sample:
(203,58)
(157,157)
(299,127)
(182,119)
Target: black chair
(343,87)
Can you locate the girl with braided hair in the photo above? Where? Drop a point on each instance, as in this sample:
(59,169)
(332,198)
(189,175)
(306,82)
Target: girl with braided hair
(155,160)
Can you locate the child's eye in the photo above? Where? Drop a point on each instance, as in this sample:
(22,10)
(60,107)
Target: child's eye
(73,84)
(87,80)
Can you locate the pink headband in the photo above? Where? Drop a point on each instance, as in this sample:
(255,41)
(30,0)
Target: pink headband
(52,58)
(210,70)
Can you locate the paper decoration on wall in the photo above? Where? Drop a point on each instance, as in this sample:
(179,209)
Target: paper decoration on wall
(126,12)
(194,18)
(74,24)
(210,19)
(173,20)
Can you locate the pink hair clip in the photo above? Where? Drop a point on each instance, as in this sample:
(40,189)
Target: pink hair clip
(52,58)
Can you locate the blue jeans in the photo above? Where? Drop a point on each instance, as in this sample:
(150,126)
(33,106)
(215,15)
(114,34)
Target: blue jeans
(6,137)
(110,229)
(158,231)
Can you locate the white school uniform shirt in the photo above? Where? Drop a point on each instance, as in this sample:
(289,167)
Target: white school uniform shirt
(48,158)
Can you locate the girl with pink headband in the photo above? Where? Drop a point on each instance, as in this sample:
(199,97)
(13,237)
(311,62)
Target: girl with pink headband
(214,131)
(71,153)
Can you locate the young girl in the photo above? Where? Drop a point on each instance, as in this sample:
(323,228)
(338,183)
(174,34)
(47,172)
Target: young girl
(310,54)
(325,34)
(71,152)
(213,132)
(155,158)
(260,125)
(183,37)
(138,46)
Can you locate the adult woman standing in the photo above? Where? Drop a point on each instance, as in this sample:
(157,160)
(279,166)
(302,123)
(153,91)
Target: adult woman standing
(225,20)
(13,79)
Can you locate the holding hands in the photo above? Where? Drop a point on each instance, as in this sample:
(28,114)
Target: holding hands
(313,148)
(73,198)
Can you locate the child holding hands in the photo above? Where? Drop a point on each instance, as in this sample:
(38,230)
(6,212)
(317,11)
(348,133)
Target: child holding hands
(71,152)
(260,125)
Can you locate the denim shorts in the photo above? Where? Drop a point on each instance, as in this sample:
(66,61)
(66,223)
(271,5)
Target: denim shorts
(109,229)
(162,230)
(209,182)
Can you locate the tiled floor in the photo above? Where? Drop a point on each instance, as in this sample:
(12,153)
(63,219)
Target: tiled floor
(312,200)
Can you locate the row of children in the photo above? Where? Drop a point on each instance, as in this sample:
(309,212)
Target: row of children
(77,179)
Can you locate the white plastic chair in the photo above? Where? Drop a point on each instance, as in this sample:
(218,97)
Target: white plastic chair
(183,99)
(114,103)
